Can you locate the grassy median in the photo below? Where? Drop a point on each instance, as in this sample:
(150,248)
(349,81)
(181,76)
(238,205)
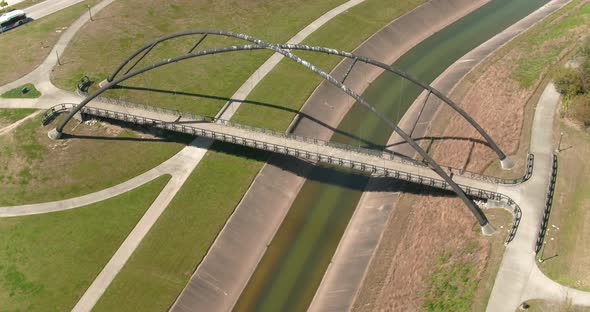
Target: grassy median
(48,261)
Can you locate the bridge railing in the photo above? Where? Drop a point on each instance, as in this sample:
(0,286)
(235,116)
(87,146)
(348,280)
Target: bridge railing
(373,169)
(383,154)
(548,205)
(313,156)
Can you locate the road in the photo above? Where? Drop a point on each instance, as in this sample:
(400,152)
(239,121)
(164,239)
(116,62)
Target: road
(48,7)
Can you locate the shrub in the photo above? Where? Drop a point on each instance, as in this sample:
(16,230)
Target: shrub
(569,82)
(580,108)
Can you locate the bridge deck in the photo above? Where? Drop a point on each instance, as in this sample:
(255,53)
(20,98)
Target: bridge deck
(375,162)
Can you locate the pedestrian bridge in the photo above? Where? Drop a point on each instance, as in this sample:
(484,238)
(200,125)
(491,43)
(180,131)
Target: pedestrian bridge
(375,162)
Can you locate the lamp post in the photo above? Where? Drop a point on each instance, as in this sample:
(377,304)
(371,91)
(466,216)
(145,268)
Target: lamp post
(558,149)
(542,251)
(89,12)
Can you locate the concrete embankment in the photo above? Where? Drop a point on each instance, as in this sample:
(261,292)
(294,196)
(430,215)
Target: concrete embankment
(347,265)
(247,234)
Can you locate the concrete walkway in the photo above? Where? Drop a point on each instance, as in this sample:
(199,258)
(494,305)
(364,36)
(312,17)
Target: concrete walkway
(48,7)
(519,279)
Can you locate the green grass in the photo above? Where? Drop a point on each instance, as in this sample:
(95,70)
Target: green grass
(35,169)
(9,116)
(47,261)
(567,245)
(165,260)
(125,26)
(452,286)
(542,45)
(17,93)
(289,85)
(31,43)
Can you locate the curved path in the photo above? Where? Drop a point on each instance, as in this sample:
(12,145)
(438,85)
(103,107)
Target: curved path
(519,279)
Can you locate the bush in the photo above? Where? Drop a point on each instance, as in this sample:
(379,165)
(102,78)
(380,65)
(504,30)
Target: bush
(569,82)
(580,108)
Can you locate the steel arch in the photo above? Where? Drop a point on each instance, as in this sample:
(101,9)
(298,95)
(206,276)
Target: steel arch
(505,161)
(259,44)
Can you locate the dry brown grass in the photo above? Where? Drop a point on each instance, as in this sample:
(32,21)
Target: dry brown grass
(424,227)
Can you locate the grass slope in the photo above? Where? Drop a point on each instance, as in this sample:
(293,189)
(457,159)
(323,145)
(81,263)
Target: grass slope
(9,116)
(47,261)
(34,168)
(289,85)
(567,248)
(165,260)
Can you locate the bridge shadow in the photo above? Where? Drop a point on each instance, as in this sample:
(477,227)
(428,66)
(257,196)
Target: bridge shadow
(443,138)
(328,174)
(317,172)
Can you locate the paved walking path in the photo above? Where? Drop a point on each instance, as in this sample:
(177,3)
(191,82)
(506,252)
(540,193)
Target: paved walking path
(519,278)
(48,7)
(186,162)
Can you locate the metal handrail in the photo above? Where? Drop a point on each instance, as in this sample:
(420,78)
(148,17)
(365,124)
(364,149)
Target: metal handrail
(437,183)
(383,154)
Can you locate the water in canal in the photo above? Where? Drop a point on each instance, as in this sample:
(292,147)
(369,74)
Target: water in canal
(292,268)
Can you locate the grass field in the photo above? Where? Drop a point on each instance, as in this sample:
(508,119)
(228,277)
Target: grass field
(17,93)
(184,232)
(47,261)
(35,169)
(125,26)
(182,221)
(9,116)
(28,45)
(567,249)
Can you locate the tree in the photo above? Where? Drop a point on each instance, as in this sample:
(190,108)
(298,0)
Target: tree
(3,4)
(569,82)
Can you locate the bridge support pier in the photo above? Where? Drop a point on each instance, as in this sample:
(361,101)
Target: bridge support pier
(54,134)
(487,229)
(506,163)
